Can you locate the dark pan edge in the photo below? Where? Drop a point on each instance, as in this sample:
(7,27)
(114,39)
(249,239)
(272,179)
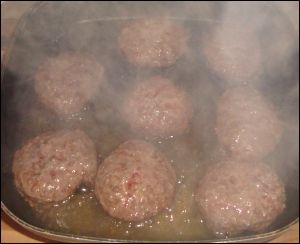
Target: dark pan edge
(54,235)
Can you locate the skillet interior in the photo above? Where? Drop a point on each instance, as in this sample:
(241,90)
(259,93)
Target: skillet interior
(22,117)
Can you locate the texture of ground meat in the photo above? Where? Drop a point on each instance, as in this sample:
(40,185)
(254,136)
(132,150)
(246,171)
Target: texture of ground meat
(49,167)
(158,108)
(65,83)
(135,182)
(247,125)
(236,196)
(153,42)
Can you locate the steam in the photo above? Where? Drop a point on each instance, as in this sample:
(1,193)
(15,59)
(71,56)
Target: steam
(276,25)
(94,28)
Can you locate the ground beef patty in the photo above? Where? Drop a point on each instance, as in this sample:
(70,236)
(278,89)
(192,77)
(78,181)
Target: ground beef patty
(236,196)
(49,167)
(135,182)
(157,108)
(65,83)
(247,125)
(153,42)
(233,53)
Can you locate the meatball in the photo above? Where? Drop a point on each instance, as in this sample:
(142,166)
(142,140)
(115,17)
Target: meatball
(157,108)
(135,182)
(67,82)
(153,42)
(247,125)
(233,53)
(238,196)
(49,167)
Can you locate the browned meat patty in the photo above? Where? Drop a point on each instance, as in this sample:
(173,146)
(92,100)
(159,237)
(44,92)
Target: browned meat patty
(153,42)
(157,108)
(233,53)
(247,125)
(237,196)
(67,82)
(135,182)
(49,167)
